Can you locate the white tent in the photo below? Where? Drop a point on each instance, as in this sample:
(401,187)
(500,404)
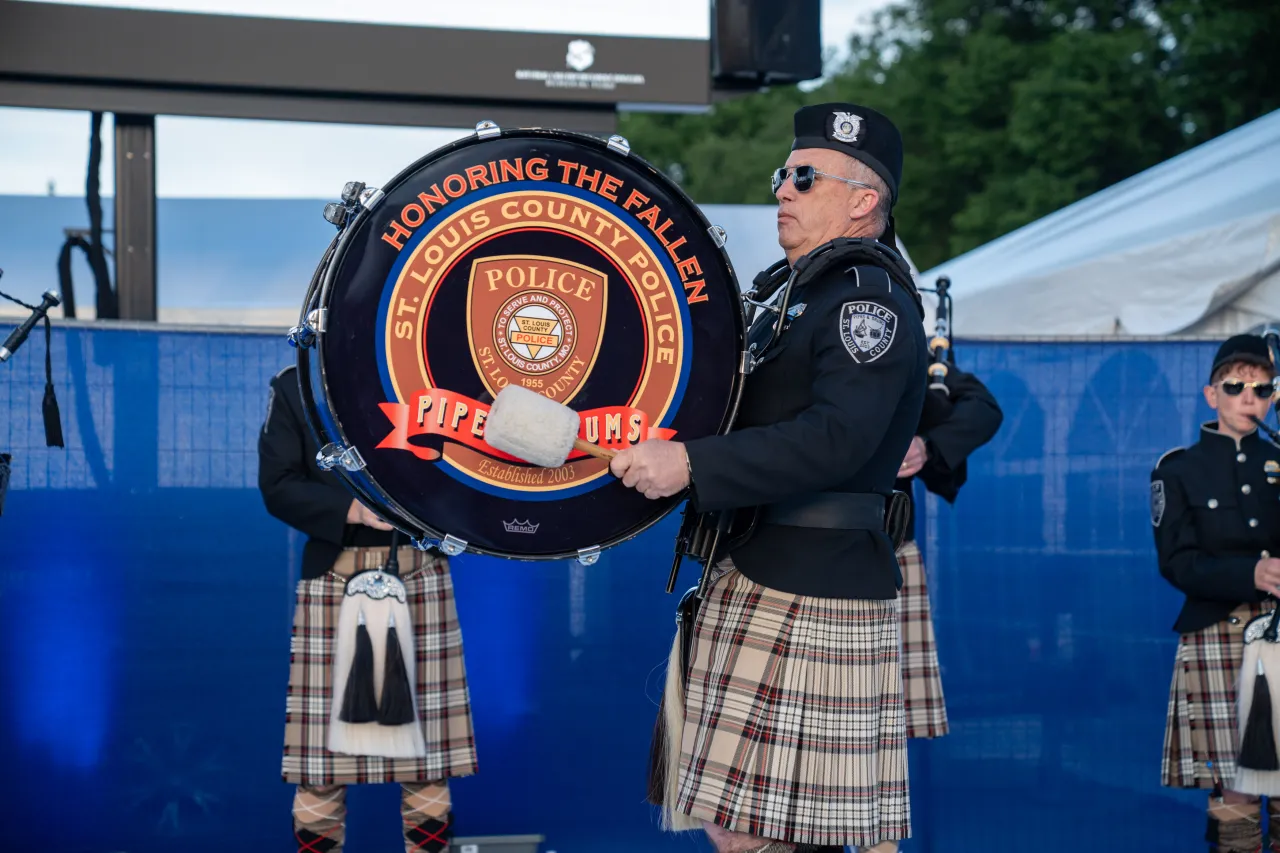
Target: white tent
(1191,246)
(752,230)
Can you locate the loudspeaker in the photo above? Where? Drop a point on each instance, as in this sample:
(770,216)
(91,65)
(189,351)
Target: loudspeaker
(761,42)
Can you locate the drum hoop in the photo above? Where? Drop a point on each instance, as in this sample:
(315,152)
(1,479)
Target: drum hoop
(311,406)
(327,272)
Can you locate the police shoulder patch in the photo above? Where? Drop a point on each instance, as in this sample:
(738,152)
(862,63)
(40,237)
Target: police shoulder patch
(867,329)
(1157,502)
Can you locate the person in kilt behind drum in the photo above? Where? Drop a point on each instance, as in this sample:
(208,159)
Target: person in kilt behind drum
(1215,507)
(345,538)
(952,426)
(790,733)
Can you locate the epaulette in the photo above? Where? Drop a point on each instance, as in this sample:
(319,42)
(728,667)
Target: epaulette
(870,275)
(1169,454)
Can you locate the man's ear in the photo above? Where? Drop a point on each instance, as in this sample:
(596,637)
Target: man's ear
(863,203)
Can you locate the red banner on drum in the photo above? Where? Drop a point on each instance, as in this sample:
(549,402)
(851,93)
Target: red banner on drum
(459,418)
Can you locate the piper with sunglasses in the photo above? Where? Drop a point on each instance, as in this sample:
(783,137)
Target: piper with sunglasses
(1215,508)
(782,726)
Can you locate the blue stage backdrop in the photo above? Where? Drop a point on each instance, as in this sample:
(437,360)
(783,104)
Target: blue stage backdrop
(145,600)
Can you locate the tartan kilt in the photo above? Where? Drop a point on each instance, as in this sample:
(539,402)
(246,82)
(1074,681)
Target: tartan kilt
(921,676)
(794,726)
(444,705)
(1202,724)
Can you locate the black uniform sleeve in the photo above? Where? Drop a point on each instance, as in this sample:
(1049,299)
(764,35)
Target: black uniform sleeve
(853,405)
(1182,562)
(973,419)
(289,494)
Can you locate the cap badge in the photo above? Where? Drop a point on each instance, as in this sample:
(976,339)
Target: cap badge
(845,127)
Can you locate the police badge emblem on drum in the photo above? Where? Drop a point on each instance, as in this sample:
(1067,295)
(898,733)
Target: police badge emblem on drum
(543,259)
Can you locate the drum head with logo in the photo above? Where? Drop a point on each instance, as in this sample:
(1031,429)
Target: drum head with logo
(541,259)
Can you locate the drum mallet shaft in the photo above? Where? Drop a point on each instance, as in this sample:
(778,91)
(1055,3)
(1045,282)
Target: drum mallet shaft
(531,427)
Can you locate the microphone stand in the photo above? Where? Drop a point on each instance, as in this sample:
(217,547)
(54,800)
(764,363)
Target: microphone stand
(38,312)
(52,417)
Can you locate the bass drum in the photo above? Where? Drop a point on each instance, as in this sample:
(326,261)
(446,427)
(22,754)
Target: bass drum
(551,260)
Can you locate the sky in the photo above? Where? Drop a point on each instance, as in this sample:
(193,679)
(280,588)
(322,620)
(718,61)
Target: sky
(44,152)
(656,18)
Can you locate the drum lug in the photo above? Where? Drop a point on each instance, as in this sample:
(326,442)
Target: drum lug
(620,144)
(302,337)
(748,364)
(354,194)
(335,213)
(333,455)
(327,457)
(351,192)
(718,236)
(305,335)
(589,556)
(351,459)
(452,545)
(488,129)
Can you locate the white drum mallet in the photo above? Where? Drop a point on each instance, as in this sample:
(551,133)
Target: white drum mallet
(536,429)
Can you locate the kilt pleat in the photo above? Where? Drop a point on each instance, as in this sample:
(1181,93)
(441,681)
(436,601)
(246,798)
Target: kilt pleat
(444,705)
(921,675)
(794,723)
(1201,725)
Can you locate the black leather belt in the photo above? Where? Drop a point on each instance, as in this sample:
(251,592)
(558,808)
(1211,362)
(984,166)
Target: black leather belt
(829,510)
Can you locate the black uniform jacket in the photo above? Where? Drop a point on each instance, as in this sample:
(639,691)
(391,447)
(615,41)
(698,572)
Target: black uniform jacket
(1215,507)
(831,408)
(953,427)
(294,488)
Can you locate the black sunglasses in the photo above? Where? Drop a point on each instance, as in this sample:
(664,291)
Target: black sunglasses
(804,176)
(1234,388)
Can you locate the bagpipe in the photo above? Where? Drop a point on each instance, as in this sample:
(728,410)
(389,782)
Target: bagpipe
(938,404)
(941,353)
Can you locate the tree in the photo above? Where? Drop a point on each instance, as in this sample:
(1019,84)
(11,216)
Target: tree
(1224,69)
(1009,109)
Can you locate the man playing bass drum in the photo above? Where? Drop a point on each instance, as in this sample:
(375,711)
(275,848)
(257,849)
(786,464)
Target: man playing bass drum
(784,731)
(960,415)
